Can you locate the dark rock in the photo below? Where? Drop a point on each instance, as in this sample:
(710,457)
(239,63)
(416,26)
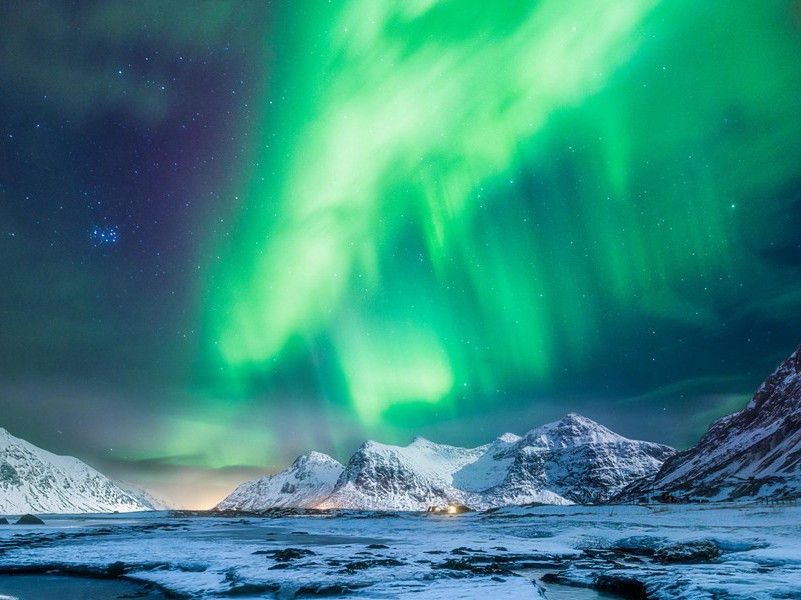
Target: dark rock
(30,520)
(453,564)
(464,550)
(688,552)
(378,547)
(3,521)
(116,569)
(509,561)
(625,586)
(361,565)
(286,554)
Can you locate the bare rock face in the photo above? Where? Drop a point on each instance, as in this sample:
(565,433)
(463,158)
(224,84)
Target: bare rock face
(751,454)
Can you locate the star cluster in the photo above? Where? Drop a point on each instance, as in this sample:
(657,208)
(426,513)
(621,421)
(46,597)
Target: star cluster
(104,235)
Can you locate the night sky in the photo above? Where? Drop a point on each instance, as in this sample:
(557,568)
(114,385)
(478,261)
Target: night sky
(233,231)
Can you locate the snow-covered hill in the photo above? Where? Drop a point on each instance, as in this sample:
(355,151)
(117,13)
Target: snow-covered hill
(753,453)
(37,481)
(305,484)
(572,460)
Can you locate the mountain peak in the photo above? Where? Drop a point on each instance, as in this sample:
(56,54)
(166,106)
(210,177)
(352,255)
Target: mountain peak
(369,446)
(580,420)
(316,457)
(775,389)
(574,426)
(305,484)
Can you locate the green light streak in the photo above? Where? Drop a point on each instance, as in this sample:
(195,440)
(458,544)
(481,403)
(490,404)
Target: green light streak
(474,191)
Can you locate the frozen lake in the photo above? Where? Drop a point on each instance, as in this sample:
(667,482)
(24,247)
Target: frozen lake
(52,587)
(59,587)
(698,552)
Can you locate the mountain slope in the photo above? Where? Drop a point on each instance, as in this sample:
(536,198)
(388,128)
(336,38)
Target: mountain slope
(414,477)
(144,497)
(750,454)
(306,483)
(37,481)
(571,460)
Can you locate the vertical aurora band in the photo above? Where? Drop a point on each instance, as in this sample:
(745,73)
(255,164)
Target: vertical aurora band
(469,192)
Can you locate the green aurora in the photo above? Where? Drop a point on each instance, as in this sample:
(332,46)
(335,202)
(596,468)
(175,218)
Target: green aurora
(471,194)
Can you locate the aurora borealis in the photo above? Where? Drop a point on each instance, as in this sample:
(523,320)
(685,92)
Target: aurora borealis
(238,231)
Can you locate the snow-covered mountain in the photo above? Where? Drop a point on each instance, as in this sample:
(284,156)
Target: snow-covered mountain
(413,477)
(572,460)
(305,484)
(37,481)
(753,453)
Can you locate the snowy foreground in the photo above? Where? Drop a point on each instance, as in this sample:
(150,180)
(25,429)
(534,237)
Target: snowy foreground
(719,552)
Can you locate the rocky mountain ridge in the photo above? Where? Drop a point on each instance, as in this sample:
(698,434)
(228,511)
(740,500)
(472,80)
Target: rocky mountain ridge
(573,460)
(752,454)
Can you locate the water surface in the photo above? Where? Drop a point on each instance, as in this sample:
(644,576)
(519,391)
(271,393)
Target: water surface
(58,587)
